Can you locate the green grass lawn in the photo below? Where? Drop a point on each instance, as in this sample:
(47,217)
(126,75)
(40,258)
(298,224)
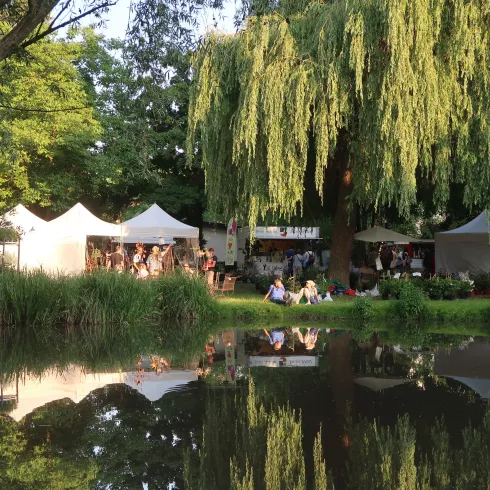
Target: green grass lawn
(247,307)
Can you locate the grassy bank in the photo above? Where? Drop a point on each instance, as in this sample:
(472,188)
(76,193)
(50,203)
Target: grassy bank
(247,306)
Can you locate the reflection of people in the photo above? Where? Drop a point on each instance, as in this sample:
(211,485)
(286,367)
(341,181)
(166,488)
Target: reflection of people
(309,292)
(276,293)
(276,338)
(309,338)
(209,266)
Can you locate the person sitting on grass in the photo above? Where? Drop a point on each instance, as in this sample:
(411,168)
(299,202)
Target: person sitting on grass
(276,338)
(277,293)
(310,293)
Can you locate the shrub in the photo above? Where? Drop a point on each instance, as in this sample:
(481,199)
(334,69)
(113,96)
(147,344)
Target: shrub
(412,302)
(363,309)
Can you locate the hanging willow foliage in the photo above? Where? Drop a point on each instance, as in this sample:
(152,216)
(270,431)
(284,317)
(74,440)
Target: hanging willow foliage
(407,82)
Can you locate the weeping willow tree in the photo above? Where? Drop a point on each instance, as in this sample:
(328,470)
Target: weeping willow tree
(381,95)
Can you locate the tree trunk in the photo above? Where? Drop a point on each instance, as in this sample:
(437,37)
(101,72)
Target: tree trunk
(344,227)
(37,11)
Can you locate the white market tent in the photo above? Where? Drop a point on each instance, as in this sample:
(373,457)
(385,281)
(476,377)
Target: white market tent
(35,391)
(68,232)
(28,226)
(466,248)
(155,226)
(23,221)
(379,234)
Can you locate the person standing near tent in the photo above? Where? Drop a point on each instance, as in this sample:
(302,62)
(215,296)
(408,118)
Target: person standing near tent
(209,267)
(154,262)
(116,261)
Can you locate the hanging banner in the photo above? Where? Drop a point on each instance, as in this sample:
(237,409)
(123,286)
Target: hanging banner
(231,242)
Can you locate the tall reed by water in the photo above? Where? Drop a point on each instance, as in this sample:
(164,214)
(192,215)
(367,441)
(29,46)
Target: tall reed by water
(99,317)
(35,299)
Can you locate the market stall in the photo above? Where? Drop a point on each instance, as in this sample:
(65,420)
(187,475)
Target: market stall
(156,227)
(466,248)
(268,252)
(66,246)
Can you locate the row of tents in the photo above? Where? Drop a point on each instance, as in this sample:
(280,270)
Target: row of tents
(466,248)
(59,245)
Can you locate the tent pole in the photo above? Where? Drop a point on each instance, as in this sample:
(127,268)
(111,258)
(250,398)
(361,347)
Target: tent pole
(3,255)
(18,255)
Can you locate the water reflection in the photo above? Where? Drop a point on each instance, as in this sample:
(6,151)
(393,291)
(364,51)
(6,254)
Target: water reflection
(151,424)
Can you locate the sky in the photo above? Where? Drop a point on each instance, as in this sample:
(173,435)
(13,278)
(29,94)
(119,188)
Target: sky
(118,16)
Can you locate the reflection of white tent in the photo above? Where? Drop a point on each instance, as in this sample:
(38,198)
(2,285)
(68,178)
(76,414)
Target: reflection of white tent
(153,386)
(74,384)
(481,386)
(380,384)
(70,230)
(466,248)
(379,234)
(154,225)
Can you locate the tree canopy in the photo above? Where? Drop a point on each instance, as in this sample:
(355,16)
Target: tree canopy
(399,90)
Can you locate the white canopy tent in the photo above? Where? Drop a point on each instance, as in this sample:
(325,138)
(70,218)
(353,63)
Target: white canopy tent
(379,234)
(156,226)
(466,248)
(67,250)
(37,391)
(28,226)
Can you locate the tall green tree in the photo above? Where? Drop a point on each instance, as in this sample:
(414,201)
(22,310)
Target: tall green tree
(377,96)
(47,126)
(144,118)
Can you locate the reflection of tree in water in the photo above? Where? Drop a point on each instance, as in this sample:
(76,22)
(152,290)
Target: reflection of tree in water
(116,437)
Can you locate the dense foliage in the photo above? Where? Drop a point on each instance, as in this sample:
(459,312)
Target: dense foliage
(395,92)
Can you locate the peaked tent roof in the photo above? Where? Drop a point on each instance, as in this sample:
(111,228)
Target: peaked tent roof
(156,223)
(380,384)
(380,234)
(80,221)
(479,385)
(479,225)
(23,220)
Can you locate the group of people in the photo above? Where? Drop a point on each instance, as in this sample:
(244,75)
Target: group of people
(307,337)
(299,260)
(391,258)
(277,294)
(143,264)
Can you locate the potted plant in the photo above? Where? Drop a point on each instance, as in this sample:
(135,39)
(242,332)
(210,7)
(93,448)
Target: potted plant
(465,288)
(449,288)
(482,282)
(434,288)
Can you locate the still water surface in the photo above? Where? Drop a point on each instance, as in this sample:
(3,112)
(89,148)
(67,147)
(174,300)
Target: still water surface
(150,426)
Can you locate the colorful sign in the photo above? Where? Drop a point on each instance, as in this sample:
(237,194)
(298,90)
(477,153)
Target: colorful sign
(283,361)
(287,233)
(231,242)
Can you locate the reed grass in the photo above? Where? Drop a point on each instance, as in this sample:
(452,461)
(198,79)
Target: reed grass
(99,318)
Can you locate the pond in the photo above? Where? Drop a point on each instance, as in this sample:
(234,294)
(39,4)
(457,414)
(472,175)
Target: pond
(306,409)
